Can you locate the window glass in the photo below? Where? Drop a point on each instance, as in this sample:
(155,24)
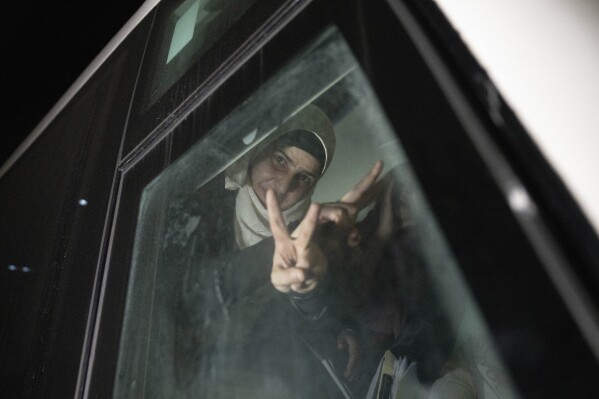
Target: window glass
(185,34)
(217,307)
(184,27)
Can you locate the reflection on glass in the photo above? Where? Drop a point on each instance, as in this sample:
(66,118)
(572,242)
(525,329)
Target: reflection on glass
(184,36)
(184,28)
(240,288)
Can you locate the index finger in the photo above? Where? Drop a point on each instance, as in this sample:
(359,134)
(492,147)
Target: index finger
(307,226)
(275,218)
(355,194)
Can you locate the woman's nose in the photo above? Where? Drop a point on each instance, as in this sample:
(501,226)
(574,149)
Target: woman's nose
(283,184)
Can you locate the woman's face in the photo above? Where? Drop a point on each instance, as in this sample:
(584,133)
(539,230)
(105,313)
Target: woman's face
(290,172)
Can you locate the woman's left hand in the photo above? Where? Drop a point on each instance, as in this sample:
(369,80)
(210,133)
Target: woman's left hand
(298,263)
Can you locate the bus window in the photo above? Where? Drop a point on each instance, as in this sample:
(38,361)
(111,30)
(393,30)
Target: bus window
(239,287)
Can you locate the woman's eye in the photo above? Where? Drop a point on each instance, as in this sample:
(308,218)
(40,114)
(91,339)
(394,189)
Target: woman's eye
(280,160)
(305,179)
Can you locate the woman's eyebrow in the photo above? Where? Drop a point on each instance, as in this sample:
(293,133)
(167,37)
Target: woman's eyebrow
(312,175)
(287,158)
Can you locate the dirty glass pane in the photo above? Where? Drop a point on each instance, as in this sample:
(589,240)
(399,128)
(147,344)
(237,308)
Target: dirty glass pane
(379,310)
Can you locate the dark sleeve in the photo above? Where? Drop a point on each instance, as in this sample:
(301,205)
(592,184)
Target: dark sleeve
(214,299)
(242,272)
(426,335)
(233,278)
(314,305)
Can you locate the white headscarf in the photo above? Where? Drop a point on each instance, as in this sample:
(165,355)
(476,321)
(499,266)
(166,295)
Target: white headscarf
(251,217)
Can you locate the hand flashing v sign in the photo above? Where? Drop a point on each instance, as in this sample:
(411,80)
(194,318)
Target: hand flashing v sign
(298,263)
